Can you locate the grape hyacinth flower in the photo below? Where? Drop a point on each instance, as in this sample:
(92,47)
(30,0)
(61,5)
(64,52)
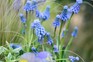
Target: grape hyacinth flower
(40,33)
(73,59)
(14,46)
(76,7)
(45,15)
(39,30)
(23,19)
(33,5)
(56,23)
(66,13)
(74,33)
(56,49)
(49,39)
(35,24)
(34,50)
(27,6)
(63,33)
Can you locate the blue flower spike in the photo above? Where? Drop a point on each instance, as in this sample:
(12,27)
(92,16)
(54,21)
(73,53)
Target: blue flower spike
(76,7)
(23,19)
(35,24)
(56,22)
(66,13)
(27,6)
(39,30)
(49,39)
(74,33)
(33,5)
(73,59)
(56,49)
(45,15)
(40,33)
(34,50)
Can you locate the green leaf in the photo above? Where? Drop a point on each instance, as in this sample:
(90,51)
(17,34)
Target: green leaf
(17,50)
(2,49)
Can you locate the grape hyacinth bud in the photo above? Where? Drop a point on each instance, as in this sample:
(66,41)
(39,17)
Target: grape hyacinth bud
(56,49)
(56,23)
(45,15)
(66,13)
(14,46)
(27,6)
(73,59)
(23,19)
(34,50)
(74,33)
(76,7)
(63,33)
(33,5)
(35,24)
(50,41)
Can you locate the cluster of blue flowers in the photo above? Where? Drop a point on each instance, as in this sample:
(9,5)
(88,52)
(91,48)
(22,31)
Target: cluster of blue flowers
(67,13)
(40,31)
(45,15)
(23,19)
(73,59)
(30,6)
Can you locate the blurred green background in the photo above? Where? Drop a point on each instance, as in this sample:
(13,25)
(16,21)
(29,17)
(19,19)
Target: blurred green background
(82,45)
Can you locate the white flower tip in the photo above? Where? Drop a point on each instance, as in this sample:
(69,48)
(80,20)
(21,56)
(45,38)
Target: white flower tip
(79,1)
(65,7)
(37,21)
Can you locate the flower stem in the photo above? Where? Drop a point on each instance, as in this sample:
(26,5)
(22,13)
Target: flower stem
(59,33)
(55,31)
(68,45)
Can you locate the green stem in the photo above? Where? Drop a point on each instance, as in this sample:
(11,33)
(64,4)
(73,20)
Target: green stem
(69,43)
(59,33)
(63,38)
(55,31)
(59,39)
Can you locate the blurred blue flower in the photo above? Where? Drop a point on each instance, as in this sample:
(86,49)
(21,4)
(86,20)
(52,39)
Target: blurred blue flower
(63,33)
(57,21)
(33,5)
(76,7)
(34,50)
(49,39)
(43,55)
(66,13)
(30,6)
(14,46)
(23,19)
(27,6)
(45,15)
(56,49)
(40,33)
(73,59)
(39,30)
(74,33)
(35,24)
